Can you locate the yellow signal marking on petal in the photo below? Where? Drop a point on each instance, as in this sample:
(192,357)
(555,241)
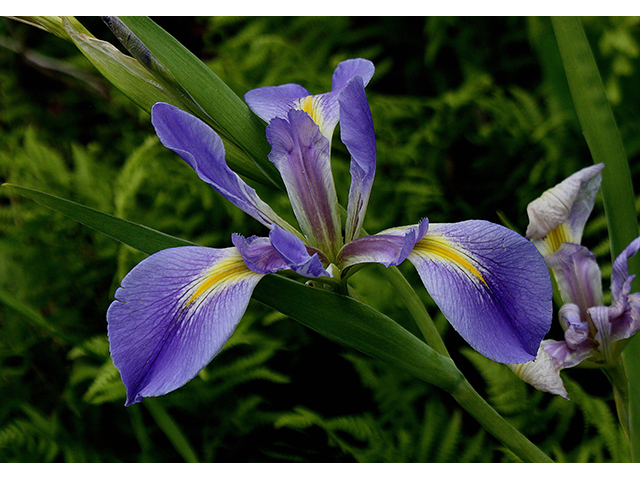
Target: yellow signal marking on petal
(557,237)
(438,246)
(229,270)
(308,105)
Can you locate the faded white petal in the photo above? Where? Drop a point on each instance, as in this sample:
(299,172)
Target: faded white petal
(562,211)
(541,373)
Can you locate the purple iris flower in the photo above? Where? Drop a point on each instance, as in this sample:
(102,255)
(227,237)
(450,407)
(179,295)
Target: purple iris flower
(176,309)
(593,333)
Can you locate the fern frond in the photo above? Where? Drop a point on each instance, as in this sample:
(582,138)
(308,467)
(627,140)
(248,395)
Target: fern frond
(106,387)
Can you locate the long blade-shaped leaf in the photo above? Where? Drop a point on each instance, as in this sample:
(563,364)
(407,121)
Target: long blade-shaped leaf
(339,318)
(602,136)
(230,113)
(142,238)
(124,72)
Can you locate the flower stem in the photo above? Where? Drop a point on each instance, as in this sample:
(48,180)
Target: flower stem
(618,378)
(416,308)
(496,425)
(464,393)
(605,144)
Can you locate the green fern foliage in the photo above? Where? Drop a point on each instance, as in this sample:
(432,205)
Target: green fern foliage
(473,120)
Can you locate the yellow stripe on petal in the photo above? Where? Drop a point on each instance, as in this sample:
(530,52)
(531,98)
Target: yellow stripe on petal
(557,237)
(309,105)
(228,271)
(437,247)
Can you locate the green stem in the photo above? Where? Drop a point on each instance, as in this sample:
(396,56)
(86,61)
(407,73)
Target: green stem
(618,378)
(416,308)
(602,136)
(496,425)
(464,393)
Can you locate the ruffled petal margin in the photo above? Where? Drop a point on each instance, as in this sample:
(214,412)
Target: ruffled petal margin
(560,213)
(173,313)
(541,373)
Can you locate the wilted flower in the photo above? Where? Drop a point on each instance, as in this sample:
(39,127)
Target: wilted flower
(593,333)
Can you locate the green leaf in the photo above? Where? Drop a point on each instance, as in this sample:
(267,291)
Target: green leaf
(142,238)
(338,317)
(359,326)
(604,141)
(228,113)
(53,24)
(123,71)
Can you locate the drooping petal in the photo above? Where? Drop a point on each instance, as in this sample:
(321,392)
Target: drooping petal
(578,275)
(490,283)
(560,213)
(202,149)
(301,154)
(541,373)
(173,313)
(356,132)
(389,247)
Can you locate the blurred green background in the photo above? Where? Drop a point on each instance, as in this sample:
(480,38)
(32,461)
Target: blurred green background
(473,119)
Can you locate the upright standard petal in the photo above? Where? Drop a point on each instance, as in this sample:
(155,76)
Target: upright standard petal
(203,150)
(490,283)
(560,213)
(349,69)
(620,278)
(173,313)
(275,102)
(578,276)
(357,133)
(301,154)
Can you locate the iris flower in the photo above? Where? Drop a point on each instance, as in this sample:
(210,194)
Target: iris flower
(594,334)
(176,309)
